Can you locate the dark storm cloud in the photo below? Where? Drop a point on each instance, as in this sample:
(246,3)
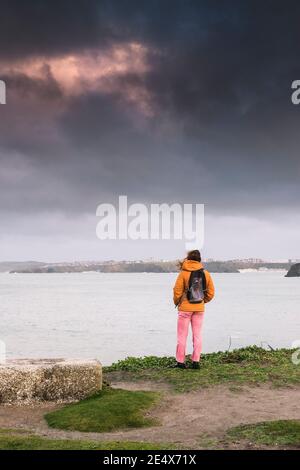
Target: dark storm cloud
(216,126)
(47,27)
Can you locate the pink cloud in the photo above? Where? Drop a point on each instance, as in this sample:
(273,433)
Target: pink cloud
(94,71)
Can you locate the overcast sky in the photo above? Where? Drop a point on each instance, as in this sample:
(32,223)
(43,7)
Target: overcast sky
(163,101)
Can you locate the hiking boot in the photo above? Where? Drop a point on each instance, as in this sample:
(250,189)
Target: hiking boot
(195,365)
(181,365)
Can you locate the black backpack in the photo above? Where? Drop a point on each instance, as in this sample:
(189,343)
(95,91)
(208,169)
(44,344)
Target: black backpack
(197,287)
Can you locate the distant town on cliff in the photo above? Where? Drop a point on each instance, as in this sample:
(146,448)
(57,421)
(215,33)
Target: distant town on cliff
(139,266)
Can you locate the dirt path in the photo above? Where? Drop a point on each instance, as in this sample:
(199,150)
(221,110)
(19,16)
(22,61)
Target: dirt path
(185,418)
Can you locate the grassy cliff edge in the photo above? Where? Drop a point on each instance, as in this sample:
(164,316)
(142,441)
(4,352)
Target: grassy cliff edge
(251,365)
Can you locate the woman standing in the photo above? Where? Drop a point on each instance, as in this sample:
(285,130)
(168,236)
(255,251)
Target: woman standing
(193,288)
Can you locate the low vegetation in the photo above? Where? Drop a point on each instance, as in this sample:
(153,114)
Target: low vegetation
(249,365)
(16,440)
(109,410)
(273,433)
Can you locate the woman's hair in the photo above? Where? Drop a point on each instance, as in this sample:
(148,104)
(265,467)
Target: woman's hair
(179,264)
(193,255)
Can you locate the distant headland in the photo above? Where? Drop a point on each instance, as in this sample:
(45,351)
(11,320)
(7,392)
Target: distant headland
(150,266)
(294,271)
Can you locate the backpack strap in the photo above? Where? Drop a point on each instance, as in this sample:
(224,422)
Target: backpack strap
(203,279)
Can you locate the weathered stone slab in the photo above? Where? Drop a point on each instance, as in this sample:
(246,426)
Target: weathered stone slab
(58,380)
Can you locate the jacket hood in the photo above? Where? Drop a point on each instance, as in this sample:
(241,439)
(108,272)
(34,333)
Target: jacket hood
(191,265)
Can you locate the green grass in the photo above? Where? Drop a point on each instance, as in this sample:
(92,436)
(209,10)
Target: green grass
(109,410)
(251,365)
(15,440)
(283,432)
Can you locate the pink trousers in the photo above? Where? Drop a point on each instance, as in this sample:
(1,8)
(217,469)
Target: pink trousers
(184,320)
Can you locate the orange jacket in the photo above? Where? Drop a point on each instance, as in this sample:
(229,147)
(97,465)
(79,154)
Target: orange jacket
(182,283)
